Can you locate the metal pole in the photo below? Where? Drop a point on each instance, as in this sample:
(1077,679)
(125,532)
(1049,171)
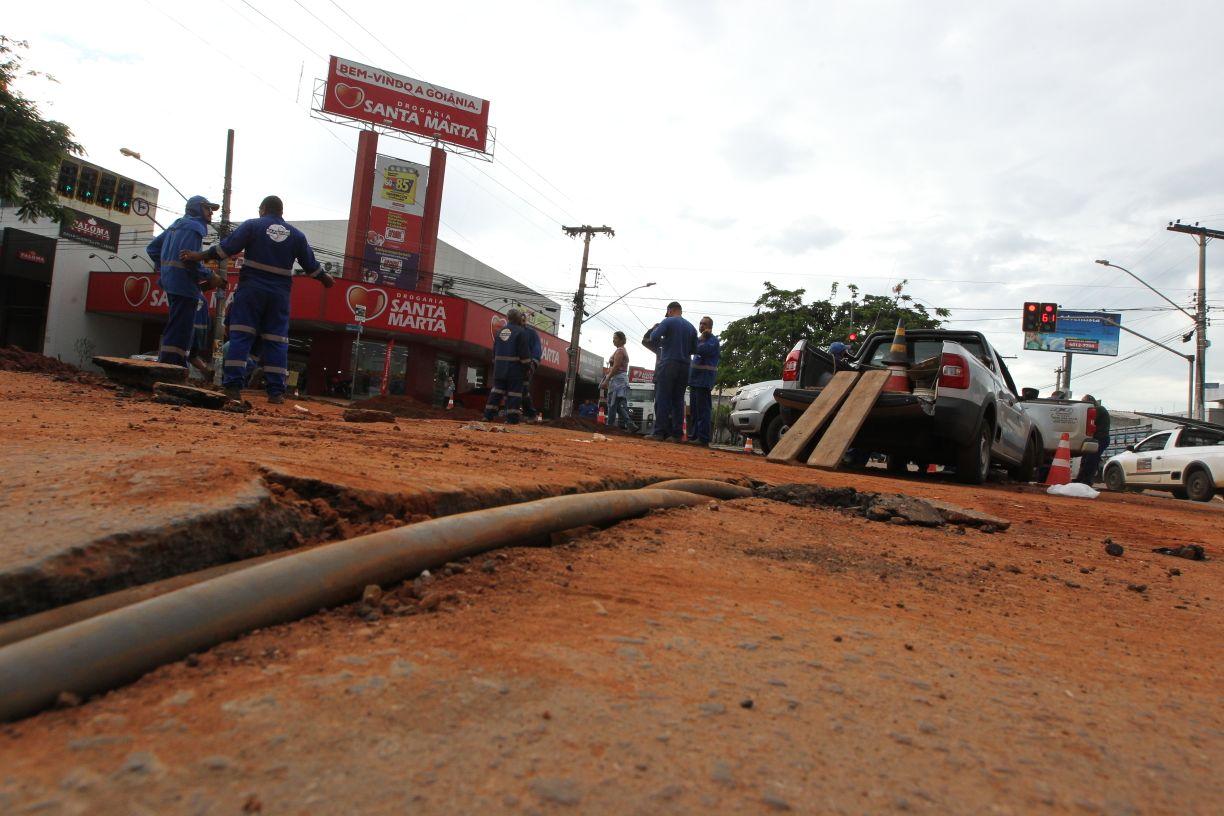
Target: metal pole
(1067,373)
(356,359)
(571,371)
(1200,333)
(1190,393)
(218,355)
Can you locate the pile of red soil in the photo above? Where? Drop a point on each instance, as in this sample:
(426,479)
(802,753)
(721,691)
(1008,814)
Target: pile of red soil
(586,425)
(15,359)
(412,408)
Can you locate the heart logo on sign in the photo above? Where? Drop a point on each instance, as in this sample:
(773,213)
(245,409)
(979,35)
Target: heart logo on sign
(348,96)
(498,320)
(135,290)
(374,301)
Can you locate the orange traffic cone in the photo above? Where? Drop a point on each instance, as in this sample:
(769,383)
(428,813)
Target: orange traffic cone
(450,402)
(748,445)
(897,361)
(684,427)
(1060,470)
(602,418)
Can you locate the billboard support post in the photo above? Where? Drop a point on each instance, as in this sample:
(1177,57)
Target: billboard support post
(222,294)
(359,208)
(432,219)
(1067,374)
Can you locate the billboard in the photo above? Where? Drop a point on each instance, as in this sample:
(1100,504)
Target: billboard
(392,253)
(358,91)
(89,229)
(1079,333)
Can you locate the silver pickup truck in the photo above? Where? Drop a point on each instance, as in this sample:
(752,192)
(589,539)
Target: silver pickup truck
(962,410)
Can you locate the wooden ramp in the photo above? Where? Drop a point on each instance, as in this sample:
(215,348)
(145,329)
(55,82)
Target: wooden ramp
(792,443)
(836,440)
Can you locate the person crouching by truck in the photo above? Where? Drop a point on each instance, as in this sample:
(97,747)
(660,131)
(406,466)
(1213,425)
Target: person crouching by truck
(1089,462)
(512,366)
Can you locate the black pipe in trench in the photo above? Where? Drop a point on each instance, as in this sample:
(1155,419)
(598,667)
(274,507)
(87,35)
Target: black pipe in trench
(106,651)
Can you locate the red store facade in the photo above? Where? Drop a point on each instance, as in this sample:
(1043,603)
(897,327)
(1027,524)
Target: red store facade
(420,340)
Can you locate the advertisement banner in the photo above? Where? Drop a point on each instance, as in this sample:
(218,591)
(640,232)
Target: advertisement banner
(89,229)
(358,91)
(641,375)
(395,310)
(1079,333)
(397,209)
(27,255)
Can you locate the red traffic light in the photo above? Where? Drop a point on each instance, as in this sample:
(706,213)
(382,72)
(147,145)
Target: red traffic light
(853,336)
(1032,307)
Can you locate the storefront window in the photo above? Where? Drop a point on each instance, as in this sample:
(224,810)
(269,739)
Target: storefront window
(371,358)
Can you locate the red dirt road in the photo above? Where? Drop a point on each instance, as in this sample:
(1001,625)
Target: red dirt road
(743,656)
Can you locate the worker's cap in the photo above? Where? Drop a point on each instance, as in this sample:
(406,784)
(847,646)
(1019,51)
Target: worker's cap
(197,204)
(837,347)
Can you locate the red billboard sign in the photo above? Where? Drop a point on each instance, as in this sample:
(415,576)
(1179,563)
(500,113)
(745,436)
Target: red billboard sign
(395,310)
(358,91)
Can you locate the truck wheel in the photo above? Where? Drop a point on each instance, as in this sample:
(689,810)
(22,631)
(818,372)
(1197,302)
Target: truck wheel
(973,460)
(1115,479)
(1026,471)
(1199,486)
(774,428)
(1179,493)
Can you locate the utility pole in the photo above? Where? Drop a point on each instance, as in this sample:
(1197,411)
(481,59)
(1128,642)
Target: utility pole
(571,372)
(218,356)
(1202,235)
(1066,369)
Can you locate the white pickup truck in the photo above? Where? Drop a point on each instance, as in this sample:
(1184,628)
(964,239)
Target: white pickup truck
(1186,461)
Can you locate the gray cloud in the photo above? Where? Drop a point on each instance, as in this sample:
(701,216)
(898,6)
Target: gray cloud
(806,235)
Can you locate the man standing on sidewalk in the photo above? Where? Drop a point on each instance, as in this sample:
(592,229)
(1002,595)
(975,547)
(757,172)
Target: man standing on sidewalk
(181,279)
(677,341)
(701,381)
(512,365)
(261,302)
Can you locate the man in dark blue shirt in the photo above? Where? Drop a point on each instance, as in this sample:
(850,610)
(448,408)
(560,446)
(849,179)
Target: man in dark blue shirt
(270,245)
(182,281)
(676,340)
(701,382)
(512,364)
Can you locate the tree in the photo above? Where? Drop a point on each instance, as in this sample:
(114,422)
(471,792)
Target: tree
(31,148)
(754,347)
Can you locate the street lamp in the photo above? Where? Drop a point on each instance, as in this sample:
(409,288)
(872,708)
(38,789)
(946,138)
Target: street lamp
(622,297)
(132,154)
(1189,358)
(146,260)
(103,260)
(117,258)
(1145,283)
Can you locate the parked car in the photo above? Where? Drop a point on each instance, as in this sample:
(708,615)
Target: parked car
(754,413)
(963,409)
(1186,461)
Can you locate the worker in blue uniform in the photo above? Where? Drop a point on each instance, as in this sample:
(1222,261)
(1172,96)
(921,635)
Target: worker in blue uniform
(182,280)
(536,347)
(701,381)
(512,365)
(677,342)
(270,245)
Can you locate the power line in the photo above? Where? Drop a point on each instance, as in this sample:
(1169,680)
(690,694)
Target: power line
(282,29)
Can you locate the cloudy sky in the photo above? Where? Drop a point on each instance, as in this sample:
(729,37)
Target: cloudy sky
(985,152)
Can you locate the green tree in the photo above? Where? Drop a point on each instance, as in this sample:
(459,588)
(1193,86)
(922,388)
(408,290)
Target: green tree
(754,347)
(31,148)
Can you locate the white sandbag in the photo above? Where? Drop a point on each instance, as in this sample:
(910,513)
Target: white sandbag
(1074,490)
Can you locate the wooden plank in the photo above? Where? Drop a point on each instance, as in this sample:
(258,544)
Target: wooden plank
(792,443)
(833,445)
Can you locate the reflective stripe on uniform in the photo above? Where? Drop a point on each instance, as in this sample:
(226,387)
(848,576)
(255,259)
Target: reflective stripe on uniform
(263,267)
(705,367)
(175,264)
(503,359)
(275,338)
(235,364)
(220,252)
(493,391)
(173,350)
(275,370)
(514,393)
(235,327)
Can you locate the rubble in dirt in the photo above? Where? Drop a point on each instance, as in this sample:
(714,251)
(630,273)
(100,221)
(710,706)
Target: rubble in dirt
(411,408)
(15,359)
(894,508)
(140,374)
(176,394)
(586,425)
(367,415)
(1193,552)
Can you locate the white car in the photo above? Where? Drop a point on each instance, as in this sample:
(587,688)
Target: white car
(1187,461)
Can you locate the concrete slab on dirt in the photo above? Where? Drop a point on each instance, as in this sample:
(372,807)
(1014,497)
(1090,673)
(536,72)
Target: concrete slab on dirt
(142,374)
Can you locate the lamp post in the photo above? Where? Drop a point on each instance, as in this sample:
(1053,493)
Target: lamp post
(622,297)
(1189,358)
(146,260)
(124,262)
(132,154)
(103,260)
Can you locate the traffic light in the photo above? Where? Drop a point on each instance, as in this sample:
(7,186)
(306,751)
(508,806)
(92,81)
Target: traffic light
(852,338)
(87,183)
(66,186)
(106,191)
(1049,318)
(123,198)
(1031,319)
